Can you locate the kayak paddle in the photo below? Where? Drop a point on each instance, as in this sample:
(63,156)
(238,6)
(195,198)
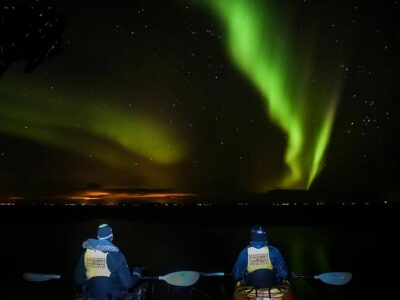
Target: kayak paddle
(334,278)
(40,277)
(180,278)
(188,278)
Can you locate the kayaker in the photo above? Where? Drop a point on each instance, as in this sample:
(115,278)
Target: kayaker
(102,271)
(260,265)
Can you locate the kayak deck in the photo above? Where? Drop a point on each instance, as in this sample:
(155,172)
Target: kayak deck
(282,292)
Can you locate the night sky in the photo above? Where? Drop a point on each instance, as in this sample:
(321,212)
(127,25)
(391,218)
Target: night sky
(201,96)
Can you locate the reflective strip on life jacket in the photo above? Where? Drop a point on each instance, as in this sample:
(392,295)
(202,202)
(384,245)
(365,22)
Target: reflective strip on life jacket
(96,263)
(258,259)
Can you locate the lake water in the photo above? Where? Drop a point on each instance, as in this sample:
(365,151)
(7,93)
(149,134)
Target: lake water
(208,239)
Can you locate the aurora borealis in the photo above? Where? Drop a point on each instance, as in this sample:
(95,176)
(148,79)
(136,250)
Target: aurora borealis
(262,51)
(213,96)
(51,121)
(185,122)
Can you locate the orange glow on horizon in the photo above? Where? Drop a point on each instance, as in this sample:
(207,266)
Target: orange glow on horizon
(110,196)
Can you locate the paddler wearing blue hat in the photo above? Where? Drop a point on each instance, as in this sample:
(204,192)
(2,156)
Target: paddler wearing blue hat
(102,270)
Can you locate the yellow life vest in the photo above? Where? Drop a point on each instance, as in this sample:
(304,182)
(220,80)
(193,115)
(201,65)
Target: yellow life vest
(96,263)
(258,259)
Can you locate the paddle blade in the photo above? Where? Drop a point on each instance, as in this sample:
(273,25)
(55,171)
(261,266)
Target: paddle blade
(40,277)
(181,278)
(335,278)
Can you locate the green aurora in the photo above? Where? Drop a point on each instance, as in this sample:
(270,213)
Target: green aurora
(85,127)
(296,99)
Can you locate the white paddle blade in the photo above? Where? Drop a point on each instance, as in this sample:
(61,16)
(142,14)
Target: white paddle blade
(335,278)
(181,278)
(40,277)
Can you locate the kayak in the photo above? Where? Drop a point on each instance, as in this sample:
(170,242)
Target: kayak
(282,292)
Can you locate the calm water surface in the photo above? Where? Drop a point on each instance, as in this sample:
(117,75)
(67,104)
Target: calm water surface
(165,239)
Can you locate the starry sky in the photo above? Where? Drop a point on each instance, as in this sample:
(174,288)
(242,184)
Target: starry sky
(200,96)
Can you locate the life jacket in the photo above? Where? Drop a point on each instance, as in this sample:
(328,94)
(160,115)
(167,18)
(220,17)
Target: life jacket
(96,263)
(258,259)
(260,272)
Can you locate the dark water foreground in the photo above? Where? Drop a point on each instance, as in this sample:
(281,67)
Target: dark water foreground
(164,239)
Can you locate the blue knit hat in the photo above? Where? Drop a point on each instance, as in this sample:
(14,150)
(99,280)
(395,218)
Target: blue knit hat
(104,232)
(258,234)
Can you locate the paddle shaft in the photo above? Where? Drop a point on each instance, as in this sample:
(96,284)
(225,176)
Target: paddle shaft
(215,274)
